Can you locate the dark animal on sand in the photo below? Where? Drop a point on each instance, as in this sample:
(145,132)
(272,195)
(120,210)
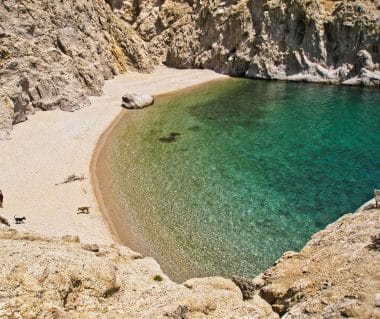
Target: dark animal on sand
(4,221)
(1,198)
(19,220)
(83,210)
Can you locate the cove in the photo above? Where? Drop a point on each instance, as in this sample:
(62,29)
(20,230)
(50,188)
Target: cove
(223,179)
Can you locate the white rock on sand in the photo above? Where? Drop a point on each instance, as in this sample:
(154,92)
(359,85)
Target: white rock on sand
(53,145)
(136,101)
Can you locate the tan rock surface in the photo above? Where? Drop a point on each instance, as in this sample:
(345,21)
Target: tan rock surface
(6,112)
(317,41)
(43,277)
(55,54)
(336,275)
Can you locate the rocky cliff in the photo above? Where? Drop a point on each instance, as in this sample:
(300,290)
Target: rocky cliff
(53,54)
(324,41)
(336,275)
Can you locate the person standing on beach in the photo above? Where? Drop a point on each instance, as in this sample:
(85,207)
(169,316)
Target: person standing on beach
(1,198)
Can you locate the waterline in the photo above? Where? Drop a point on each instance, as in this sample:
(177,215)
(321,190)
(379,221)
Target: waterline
(257,168)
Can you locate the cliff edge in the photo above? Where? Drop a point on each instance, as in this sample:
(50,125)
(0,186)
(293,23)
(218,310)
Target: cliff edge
(335,276)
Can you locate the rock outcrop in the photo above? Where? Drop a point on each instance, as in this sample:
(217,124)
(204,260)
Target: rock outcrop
(299,40)
(61,278)
(336,275)
(54,54)
(4,221)
(6,114)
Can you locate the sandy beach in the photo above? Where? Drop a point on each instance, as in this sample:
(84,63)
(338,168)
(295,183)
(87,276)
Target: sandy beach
(52,145)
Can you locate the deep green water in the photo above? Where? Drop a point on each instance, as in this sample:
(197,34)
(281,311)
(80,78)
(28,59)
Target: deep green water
(258,168)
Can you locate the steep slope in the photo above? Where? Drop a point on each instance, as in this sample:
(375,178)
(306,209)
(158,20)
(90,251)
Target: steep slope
(49,278)
(335,276)
(330,41)
(53,54)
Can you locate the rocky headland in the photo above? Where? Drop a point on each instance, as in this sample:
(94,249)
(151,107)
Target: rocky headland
(336,275)
(55,54)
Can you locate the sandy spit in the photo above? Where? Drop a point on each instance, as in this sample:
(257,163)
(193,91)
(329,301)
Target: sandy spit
(52,145)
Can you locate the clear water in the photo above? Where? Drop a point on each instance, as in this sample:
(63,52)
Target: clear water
(258,168)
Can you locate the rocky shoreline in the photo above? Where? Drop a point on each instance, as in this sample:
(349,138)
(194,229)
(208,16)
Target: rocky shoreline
(334,276)
(54,55)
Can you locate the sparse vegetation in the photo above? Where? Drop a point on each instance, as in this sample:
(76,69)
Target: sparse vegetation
(158,278)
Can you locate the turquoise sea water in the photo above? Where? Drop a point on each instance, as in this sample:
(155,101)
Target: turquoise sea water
(256,169)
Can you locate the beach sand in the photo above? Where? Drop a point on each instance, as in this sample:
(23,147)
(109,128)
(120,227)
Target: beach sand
(52,145)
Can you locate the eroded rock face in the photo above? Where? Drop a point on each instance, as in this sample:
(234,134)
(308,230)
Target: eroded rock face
(53,54)
(50,278)
(292,40)
(334,276)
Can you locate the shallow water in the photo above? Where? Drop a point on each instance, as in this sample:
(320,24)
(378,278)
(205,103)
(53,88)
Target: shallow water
(256,169)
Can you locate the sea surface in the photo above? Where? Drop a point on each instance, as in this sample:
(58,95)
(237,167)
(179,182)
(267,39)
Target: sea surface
(223,179)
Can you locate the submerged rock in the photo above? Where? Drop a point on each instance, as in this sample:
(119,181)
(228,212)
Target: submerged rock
(136,101)
(172,137)
(194,128)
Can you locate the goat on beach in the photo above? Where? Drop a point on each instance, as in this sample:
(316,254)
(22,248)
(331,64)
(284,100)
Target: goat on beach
(19,220)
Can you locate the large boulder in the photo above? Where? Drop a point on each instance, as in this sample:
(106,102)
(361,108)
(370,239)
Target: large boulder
(136,101)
